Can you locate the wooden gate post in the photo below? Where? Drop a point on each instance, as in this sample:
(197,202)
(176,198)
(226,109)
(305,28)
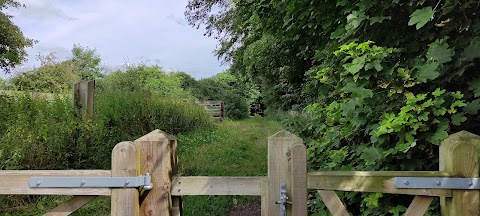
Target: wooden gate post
(459,155)
(125,201)
(156,158)
(286,164)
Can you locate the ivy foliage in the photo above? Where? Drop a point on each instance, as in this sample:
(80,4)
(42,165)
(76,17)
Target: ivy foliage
(383,81)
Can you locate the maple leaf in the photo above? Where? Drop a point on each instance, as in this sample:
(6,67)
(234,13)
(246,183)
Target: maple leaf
(427,72)
(438,51)
(420,17)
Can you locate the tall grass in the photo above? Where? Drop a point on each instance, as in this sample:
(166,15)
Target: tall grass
(40,134)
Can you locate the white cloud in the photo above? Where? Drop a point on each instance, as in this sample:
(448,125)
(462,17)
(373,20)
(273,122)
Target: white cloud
(119,30)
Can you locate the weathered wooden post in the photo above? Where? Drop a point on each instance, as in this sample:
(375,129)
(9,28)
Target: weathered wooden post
(156,158)
(459,155)
(83,93)
(286,164)
(83,97)
(125,201)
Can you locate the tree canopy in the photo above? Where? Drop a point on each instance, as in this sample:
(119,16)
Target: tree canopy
(383,82)
(12,40)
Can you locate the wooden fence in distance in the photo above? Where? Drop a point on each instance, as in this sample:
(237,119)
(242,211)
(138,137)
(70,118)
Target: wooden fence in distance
(157,153)
(215,108)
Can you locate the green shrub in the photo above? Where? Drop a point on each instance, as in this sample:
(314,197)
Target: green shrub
(37,134)
(147,78)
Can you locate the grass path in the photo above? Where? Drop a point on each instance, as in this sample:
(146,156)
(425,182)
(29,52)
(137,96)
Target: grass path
(233,148)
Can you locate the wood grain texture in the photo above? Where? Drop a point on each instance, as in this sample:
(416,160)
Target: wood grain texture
(176,200)
(156,158)
(15,182)
(70,206)
(333,203)
(459,155)
(419,206)
(264,197)
(376,181)
(125,201)
(299,180)
(217,185)
(279,155)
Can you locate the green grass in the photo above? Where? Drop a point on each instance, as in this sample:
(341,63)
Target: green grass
(233,148)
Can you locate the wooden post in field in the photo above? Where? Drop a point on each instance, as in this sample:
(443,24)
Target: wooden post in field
(125,201)
(83,103)
(83,97)
(280,150)
(459,155)
(156,158)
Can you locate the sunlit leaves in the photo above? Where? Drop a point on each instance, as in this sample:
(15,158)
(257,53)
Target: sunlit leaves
(420,17)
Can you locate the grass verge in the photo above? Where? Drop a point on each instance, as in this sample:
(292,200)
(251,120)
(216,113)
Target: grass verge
(233,148)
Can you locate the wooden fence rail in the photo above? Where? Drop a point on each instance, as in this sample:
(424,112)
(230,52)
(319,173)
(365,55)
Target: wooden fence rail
(157,154)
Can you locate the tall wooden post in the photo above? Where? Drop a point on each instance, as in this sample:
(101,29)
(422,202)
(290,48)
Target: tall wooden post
(83,97)
(281,169)
(125,201)
(156,158)
(459,155)
(83,93)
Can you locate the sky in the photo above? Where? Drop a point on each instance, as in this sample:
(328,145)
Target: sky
(123,32)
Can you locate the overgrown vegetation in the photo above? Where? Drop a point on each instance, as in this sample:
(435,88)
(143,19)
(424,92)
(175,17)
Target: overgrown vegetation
(236,93)
(380,83)
(48,134)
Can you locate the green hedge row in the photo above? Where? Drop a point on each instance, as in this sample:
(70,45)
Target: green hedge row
(37,134)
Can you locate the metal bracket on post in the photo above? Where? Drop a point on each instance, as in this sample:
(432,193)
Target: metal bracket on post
(92,182)
(283,199)
(438,183)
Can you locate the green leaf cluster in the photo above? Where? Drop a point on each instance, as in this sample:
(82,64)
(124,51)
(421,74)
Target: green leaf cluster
(383,82)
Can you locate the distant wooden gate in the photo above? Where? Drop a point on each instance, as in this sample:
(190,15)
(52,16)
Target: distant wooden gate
(215,108)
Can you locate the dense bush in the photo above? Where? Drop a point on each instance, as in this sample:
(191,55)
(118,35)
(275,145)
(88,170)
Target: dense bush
(147,78)
(383,81)
(37,134)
